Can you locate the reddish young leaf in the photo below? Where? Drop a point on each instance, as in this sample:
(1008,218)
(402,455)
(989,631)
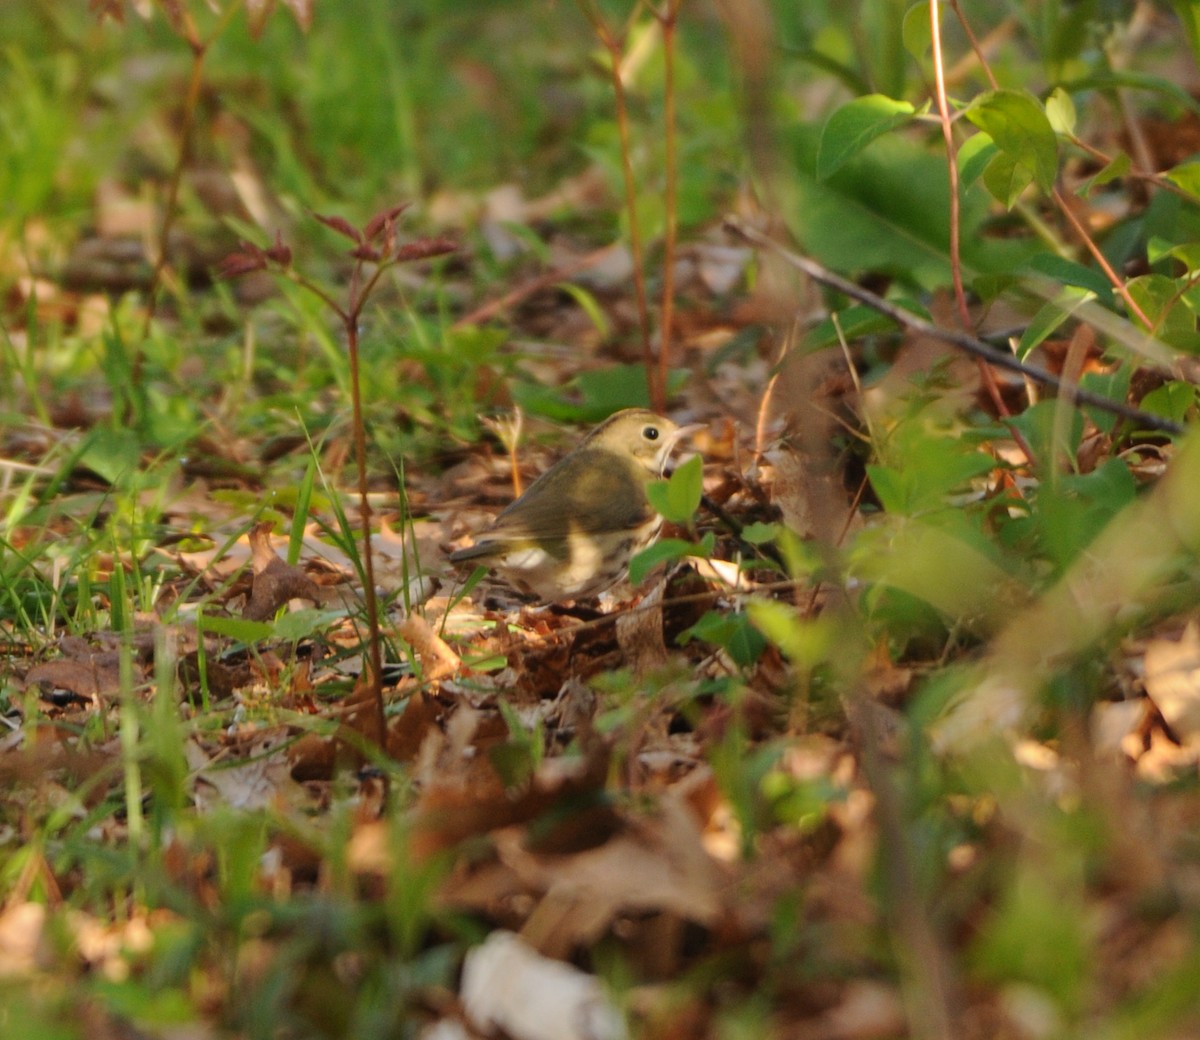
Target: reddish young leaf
(176,17)
(301,11)
(423,248)
(279,252)
(257,13)
(368,253)
(250,258)
(114,9)
(342,226)
(382,219)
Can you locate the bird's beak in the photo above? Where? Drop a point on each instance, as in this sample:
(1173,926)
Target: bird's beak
(686,431)
(678,435)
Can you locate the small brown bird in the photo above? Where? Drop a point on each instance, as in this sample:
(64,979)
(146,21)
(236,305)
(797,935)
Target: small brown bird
(575,529)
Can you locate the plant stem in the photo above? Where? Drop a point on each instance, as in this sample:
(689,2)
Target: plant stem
(612,43)
(670,23)
(374,651)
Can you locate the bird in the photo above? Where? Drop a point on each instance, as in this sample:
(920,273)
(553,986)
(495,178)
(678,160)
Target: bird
(574,531)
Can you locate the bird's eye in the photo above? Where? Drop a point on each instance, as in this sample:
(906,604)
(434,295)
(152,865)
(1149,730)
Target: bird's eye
(650,433)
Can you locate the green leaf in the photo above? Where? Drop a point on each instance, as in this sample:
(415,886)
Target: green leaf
(854,322)
(666,550)
(1050,317)
(854,126)
(249,632)
(1188,12)
(887,211)
(1006,179)
(868,217)
(1037,902)
(1186,177)
(805,641)
(973,158)
(759,533)
(113,454)
(678,497)
(1036,424)
(1187,253)
(927,470)
(1060,110)
(603,391)
(1018,125)
(1071,273)
(301,624)
(946,565)
(589,305)
(1173,400)
(1158,297)
(917,32)
(1118,167)
(1070,515)
(733,632)
(1114,385)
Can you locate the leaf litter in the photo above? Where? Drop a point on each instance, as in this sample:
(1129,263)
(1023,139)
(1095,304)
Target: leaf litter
(567,811)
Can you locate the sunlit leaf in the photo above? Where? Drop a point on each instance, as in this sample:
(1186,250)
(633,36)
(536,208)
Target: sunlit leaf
(1018,125)
(855,125)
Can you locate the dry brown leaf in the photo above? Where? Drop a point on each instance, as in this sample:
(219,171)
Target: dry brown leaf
(640,634)
(447,813)
(86,670)
(1164,759)
(255,775)
(408,731)
(1172,679)
(1116,726)
(437,659)
(275,582)
(21,929)
(92,678)
(656,865)
(867,1011)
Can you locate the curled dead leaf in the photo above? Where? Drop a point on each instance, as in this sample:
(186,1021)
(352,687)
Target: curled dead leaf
(1173,683)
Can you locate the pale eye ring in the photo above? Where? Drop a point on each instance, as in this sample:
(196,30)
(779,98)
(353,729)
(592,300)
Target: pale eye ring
(650,433)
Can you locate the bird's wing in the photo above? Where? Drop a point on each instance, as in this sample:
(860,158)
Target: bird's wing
(600,491)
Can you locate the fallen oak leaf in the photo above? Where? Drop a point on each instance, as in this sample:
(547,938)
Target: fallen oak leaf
(656,864)
(275,582)
(314,756)
(437,659)
(567,796)
(83,670)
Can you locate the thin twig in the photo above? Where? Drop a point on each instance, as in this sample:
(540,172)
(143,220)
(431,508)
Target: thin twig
(669,21)
(931,988)
(939,76)
(199,47)
(967,343)
(487,311)
(1117,282)
(979,55)
(1084,236)
(612,43)
(986,375)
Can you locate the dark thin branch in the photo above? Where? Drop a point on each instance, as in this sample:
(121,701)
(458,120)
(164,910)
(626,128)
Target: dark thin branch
(968,344)
(766,550)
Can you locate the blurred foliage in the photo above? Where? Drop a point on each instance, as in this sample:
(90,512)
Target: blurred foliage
(438,102)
